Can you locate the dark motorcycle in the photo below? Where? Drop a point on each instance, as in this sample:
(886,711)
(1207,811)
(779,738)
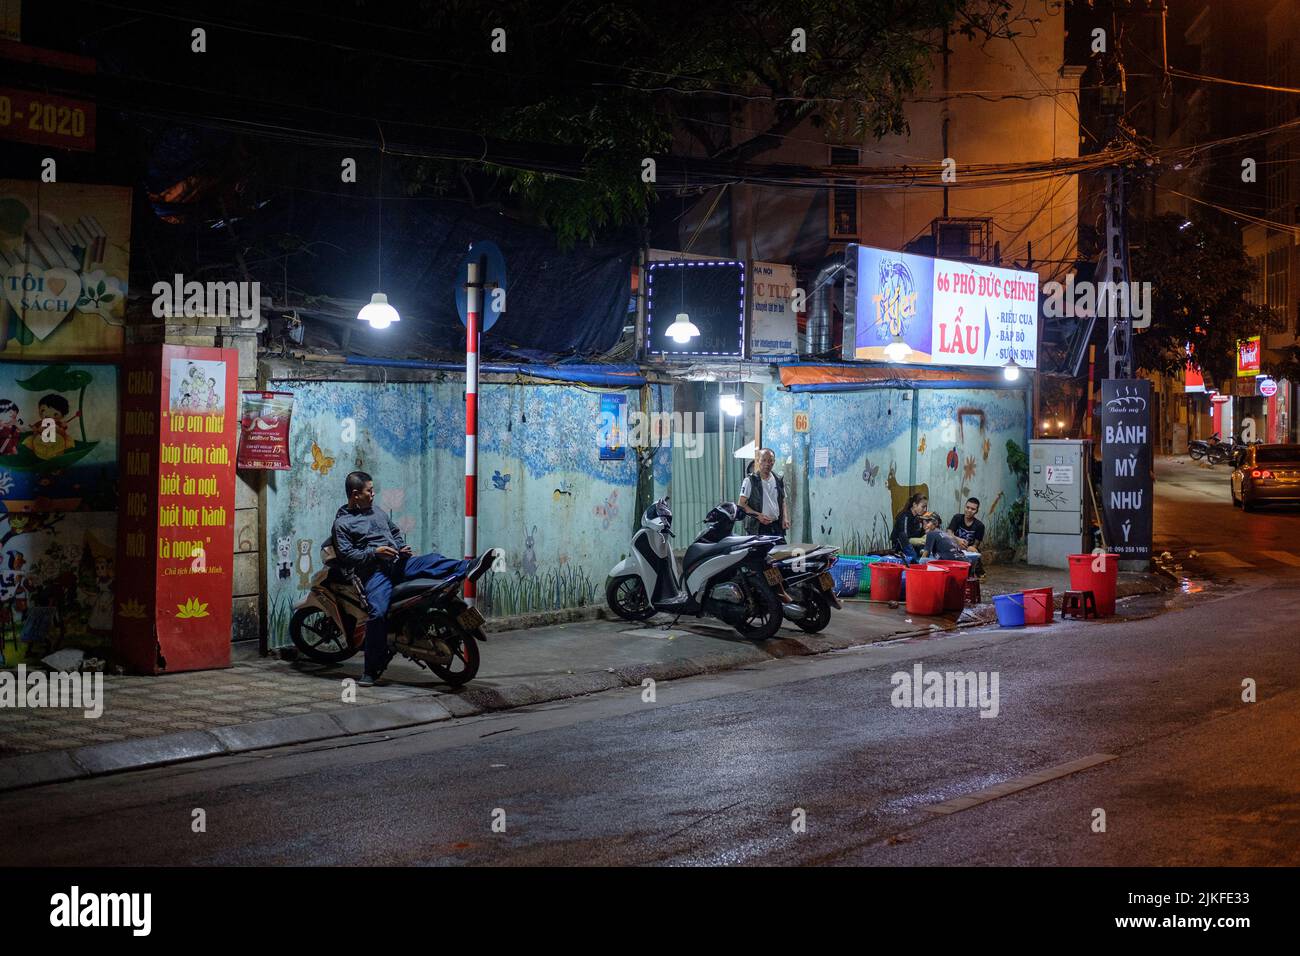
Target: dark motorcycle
(1200,447)
(805,575)
(428,622)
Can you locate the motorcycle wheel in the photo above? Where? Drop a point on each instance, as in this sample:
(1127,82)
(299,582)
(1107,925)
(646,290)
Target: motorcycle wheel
(626,597)
(1197,453)
(464,662)
(318,638)
(817,612)
(764,615)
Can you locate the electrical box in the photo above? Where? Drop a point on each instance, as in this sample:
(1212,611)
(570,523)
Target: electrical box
(1059,500)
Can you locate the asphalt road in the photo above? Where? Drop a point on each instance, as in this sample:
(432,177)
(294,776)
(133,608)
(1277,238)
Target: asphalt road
(1142,719)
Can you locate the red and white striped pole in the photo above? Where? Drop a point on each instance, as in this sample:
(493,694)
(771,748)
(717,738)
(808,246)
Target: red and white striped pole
(471,421)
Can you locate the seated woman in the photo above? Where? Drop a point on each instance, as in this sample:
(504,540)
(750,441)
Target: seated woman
(909,536)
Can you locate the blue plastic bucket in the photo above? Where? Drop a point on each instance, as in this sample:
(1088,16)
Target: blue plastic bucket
(1010,609)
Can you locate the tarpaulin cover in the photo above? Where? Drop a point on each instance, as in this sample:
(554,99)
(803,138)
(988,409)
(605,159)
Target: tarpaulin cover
(828,378)
(558,302)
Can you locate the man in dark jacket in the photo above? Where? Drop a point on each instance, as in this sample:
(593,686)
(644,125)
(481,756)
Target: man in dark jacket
(368,543)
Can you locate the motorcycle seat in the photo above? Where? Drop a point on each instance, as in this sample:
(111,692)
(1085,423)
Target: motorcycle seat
(700,550)
(413,587)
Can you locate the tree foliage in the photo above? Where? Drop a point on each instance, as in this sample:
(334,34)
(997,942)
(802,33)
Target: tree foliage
(1201,281)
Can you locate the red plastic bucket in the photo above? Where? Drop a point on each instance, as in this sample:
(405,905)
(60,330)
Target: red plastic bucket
(886,581)
(1038,606)
(1100,583)
(958,571)
(926,590)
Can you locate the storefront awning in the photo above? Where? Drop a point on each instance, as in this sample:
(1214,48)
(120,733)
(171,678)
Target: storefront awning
(850,378)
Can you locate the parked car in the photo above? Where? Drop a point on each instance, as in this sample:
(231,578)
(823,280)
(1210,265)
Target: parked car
(1266,473)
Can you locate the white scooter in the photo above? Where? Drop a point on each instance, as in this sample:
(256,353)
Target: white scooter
(728,578)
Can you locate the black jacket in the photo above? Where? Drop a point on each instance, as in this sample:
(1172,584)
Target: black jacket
(906,525)
(357,534)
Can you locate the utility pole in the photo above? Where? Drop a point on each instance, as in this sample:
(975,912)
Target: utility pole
(1112,267)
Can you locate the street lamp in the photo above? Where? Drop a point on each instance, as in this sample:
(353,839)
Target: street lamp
(1011,371)
(378,312)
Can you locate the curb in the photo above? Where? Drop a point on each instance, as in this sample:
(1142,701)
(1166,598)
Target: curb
(60,766)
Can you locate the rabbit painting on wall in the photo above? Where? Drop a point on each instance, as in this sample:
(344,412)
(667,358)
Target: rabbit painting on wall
(284,559)
(530,554)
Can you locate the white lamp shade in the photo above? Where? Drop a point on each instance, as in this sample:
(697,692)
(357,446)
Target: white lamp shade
(897,351)
(1011,371)
(378,312)
(682,329)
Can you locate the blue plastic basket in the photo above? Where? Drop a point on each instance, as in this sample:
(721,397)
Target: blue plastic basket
(847,574)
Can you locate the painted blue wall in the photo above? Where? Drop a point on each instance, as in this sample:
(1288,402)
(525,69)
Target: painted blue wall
(563,516)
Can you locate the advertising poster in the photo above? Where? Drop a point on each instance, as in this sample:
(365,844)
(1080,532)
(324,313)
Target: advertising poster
(1126,466)
(612,429)
(179,433)
(1248,357)
(772,320)
(915,310)
(710,293)
(58,508)
(63,270)
(264,430)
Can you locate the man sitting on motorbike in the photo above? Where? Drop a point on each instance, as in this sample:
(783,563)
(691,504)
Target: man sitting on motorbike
(369,544)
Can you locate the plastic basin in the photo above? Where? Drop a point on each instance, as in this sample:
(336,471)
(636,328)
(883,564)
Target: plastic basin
(958,571)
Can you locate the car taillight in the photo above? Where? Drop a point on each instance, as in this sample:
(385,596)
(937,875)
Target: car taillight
(1257,473)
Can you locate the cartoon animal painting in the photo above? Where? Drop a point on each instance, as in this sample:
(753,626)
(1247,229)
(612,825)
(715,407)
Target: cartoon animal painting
(529,560)
(870,473)
(565,488)
(283,557)
(899,495)
(304,563)
(609,510)
(500,481)
(953,459)
(320,462)
(920,449)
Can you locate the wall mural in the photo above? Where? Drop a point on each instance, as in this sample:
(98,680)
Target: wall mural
(954,452)
(562,515)
(58,508)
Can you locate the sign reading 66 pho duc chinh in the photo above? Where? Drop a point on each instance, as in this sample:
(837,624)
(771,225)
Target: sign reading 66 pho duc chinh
(64,261)
(916,310)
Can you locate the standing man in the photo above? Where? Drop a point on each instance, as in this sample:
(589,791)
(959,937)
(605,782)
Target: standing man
(369,544)
(762,498)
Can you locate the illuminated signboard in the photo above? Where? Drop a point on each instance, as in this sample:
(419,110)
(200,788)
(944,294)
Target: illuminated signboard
(916,310)
(710,293)
(1248,356)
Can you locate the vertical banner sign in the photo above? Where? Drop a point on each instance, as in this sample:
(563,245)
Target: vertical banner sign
(264,430)
(177,528)
(613,427)
(772,320)
(1126,466)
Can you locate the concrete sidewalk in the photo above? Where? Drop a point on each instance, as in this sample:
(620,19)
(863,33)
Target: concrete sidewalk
(267,702)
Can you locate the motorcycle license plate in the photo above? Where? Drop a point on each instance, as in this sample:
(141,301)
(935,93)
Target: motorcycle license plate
(470,619)
(773,575)
(826,582)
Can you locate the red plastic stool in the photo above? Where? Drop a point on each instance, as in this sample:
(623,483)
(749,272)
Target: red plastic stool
(972,591)
(1079,604)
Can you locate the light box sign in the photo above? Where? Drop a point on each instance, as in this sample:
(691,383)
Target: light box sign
(772,319)
(711,296)
(1248,357)
(916,310)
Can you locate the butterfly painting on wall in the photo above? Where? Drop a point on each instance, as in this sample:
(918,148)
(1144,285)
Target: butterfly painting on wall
(320,462)
(870,473)
(499,481)
(609,510)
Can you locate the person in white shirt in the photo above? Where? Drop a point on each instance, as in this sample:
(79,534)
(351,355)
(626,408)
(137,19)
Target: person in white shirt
(762,498)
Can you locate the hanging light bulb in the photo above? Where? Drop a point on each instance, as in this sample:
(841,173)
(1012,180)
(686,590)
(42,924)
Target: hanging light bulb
(731,404)
(683,329)
(1011,371)
(897,350)
(378,312)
